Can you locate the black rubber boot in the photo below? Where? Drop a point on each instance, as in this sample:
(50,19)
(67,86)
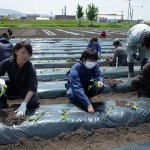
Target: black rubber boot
(131,70)
(142,93)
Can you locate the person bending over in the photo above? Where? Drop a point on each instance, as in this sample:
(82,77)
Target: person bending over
(138,46)
(119,54)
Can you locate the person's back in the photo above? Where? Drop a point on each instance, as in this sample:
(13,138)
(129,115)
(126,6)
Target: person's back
(5,48)
(102,34)
(136,34)
(120,53)
(138,46)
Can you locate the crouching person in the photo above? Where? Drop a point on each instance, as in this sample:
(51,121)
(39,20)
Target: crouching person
(22,78)
(80,88)
(142,82)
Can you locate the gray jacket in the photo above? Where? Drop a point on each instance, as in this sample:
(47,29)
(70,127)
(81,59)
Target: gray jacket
(134,42)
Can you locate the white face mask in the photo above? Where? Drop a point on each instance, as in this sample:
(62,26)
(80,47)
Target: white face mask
(90,64)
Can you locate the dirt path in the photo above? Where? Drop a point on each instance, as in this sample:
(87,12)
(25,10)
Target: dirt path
(63,33)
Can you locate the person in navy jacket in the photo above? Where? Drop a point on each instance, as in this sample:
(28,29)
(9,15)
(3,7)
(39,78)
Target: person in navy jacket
(95,45)
(79,87)
(5,47)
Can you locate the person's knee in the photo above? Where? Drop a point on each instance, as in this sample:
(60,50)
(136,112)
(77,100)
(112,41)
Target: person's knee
(34,101)
(137,82)
(71,94)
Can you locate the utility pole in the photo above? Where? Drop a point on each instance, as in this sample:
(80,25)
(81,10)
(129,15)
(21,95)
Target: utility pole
(122,15)
(129,11)
(65,12)
(62,14)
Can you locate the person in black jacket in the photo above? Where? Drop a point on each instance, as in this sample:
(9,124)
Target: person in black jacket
(22,78)
(5,47)
(141,82)
(119,55)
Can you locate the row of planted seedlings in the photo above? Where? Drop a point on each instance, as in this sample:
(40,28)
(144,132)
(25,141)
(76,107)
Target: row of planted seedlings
(48,121)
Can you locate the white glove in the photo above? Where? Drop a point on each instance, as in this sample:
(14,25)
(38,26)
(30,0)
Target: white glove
(2,83)
(21,110)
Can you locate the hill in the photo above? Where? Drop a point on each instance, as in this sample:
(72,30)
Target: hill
(10,11)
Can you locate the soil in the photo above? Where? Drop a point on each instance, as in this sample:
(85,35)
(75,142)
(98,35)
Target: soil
(98,139)
(112,82)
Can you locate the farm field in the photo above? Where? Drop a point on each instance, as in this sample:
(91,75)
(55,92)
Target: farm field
(81,139)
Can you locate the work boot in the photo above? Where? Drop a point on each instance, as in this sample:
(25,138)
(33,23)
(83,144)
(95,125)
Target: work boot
(142,93)
(3,102)
(131,74)
(131,70)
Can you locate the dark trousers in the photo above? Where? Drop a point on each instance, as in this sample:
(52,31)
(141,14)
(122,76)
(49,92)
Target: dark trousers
(90,90)
(20,92)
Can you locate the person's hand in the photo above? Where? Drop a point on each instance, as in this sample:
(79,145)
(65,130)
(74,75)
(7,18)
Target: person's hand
(2,83)
(21,110)
(109,58)
(136,57)
(100,84)
(144,61)
(90,109)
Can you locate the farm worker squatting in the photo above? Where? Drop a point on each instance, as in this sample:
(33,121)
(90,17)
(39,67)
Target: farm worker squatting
(80,88)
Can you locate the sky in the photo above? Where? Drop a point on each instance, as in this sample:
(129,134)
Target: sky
(141,8)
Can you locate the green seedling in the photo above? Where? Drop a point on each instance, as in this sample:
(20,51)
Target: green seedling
(64,115)
(3,90)
(128,104)
(109,109)
(36,117)
(134,107)
(95,84)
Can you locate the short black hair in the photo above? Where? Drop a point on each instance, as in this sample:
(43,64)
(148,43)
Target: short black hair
(94,39)
(116,42)
(4,35)
(8,30)
(89,53)
(146,40)
(21,44)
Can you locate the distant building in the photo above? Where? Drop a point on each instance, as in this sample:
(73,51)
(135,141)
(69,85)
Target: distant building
(112,21)
(23,18)
(42,18)
(102,20)
(32,16)
(15,16)
(67,17)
